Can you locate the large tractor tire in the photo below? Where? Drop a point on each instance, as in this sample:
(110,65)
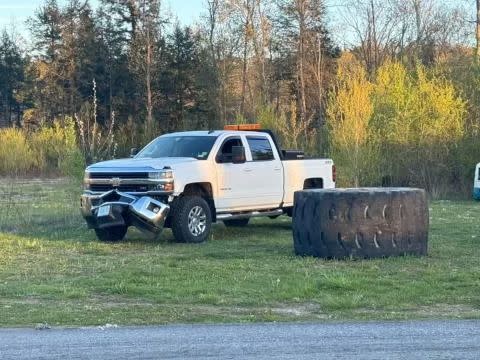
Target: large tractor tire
(360,223)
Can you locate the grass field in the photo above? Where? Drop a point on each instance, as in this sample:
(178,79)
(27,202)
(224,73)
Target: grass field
(53,270)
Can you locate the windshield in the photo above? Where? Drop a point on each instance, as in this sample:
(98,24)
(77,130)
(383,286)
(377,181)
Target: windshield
(197,147)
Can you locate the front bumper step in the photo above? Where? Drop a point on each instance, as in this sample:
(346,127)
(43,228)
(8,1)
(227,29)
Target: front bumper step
(115,208)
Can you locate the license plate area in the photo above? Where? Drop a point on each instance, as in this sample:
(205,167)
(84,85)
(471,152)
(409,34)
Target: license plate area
(103,210)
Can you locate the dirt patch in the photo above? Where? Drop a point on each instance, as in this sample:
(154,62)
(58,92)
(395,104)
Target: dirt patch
(436,311)
(6,181)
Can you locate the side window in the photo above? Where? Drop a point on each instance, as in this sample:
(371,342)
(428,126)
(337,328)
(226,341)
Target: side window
(260,148)
(225,153)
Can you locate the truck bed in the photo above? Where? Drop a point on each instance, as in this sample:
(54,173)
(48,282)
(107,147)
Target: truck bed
(297,171)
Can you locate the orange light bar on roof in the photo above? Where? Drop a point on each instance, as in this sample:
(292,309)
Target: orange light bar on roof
(242,127)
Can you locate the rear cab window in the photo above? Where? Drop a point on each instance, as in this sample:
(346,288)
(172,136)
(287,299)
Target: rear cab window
(260,148)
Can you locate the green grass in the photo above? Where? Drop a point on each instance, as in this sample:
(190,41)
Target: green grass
(52,269)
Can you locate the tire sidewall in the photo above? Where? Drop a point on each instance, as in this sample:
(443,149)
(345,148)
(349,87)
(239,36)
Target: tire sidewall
(180,220)
(361,223)
(113,234)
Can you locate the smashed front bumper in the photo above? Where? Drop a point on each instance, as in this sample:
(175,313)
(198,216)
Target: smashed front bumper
(115,208)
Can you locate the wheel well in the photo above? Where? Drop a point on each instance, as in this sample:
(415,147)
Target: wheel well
(313,183)
(204,190)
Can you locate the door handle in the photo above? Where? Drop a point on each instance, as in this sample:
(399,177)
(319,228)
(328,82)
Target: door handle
(277,168)
(247,170)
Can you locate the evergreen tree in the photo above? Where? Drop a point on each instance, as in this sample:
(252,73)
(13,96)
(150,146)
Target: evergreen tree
(306,46)
(118,85)
(184,82)
(11,78)
(45,27)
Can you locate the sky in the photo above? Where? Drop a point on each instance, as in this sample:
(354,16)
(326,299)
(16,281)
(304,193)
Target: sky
(17,11)
(186,11)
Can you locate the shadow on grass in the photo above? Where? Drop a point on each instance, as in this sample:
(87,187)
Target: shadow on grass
(49,210)
(71,227)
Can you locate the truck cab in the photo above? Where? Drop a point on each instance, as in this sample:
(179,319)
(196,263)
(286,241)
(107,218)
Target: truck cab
(187,180)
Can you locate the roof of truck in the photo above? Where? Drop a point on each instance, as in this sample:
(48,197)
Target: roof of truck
(215,133)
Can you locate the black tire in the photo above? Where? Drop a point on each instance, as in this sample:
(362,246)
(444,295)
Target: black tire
(184,230)
(360,223)
(288,211)
(236,222)
(113,233)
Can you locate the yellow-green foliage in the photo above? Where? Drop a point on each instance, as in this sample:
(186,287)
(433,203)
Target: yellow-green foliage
(51,149)
(56,145)
(267,117)
(130,135)
(416,108)
(16,156)
(349,113)
(292,132)
(464,73)
(97,143)
(413,119)
(420,118)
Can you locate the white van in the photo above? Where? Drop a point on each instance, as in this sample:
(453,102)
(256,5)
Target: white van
(476,183)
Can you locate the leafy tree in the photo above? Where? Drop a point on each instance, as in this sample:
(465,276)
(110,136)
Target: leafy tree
(302,26)
(420,118)
(349,114)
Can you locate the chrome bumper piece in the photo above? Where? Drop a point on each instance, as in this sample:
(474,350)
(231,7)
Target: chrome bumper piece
(114,208)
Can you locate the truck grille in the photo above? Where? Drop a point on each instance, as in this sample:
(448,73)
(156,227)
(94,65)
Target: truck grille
(121,175)
(123,188)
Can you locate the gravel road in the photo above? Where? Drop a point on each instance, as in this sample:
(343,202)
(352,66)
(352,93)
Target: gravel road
(352,340)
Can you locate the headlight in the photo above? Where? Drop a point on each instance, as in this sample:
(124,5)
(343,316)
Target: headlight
(166,176)
(161,175)
(165,187)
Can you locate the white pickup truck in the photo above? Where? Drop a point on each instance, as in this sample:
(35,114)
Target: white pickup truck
(187,180)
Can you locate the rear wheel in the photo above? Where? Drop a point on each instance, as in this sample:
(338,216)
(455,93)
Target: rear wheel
(192,220)
(288,211)
(236,222)
(113,233)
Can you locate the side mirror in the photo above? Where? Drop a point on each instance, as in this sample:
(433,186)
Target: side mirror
(238,155)
(133,152)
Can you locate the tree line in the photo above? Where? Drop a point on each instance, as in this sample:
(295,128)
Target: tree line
(326,75)
(243,56)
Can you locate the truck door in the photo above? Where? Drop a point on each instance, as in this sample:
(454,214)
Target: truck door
(266,172)
(233,180)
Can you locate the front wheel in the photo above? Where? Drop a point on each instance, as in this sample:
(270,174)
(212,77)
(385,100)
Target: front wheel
(113,233)
(192,220)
